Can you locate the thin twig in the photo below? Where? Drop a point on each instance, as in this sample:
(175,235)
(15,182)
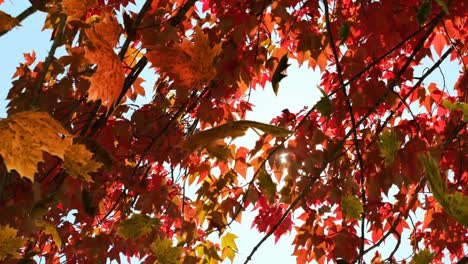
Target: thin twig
(135,24)
(26,13)
(48,61)
(303,193)
(353,122)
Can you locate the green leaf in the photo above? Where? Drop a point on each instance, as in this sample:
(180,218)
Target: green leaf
(9,243)
(351,207)
(50,229)
(324,106)
(278,74)
(343,32)
(267,185)
(165,252)
(232,129)
(456,204)
(423,11)
(423,257)
(443,5)
(457,106)
(136,226)
(229,246)
(389,145)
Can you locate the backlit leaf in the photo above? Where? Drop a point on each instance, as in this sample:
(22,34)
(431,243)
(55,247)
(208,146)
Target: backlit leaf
(229,246)
(136,226)
(423,257)
(190,62)
(278,75)
(389,145)
(108,80)
(457,106)
(351,207)
(79,162)
(455,204)
(9,243)
(50,229)
(324,106)
(267,185)
(165,252)
(75,10)
(25,135)
(232,129)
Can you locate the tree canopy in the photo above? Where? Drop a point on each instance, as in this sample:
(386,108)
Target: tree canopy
(87,175)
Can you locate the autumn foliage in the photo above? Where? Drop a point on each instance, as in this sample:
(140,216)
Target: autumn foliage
(87,175)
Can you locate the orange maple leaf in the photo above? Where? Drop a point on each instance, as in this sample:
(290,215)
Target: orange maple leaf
(190,62)
(107,81)
(75,9)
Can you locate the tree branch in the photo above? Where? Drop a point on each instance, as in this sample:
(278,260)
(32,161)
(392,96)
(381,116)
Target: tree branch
(26,13)
(353,122)
(48,61)
(340,144)
(135,24)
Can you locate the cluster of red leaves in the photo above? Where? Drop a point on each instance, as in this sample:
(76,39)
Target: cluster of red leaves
(356,144)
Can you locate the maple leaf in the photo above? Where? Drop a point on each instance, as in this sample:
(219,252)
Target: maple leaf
(75,10)
(136,226)
(25,135)
(324,106)
(278,74)
(9,243)
(389,145)
(232,129)
(455,204)
(50,229)
(423,257)
(229,246)
(165,252)
(191,62)
(267,185)
(352,207)
(457,106)
(108,80)
(78,161)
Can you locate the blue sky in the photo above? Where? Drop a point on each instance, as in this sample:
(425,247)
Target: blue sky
(297,90)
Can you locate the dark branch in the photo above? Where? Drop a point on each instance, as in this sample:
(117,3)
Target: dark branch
(26,13)
(353,121)
(48,61)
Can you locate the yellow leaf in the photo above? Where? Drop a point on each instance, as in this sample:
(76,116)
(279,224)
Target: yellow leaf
(228,246)
(389,145)
(7,22)
(79,162)
(136,226)
(423,257)
(456,204)
(50,229)
(108,80)
(9,243)
(165,252)
(351,207)
(232,129)
(25,135)
(190,62)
